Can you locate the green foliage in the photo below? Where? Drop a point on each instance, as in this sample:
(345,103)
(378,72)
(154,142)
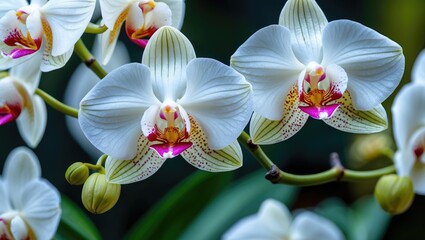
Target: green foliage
(74,223)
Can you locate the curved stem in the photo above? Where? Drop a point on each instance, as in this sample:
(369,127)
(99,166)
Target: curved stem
(56,104)
(90,61)
(336,173)
(95,29)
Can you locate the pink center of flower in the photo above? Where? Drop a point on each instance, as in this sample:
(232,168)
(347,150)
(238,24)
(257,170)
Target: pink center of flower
(318,93)
(173,137)
(9,112)
(20,39)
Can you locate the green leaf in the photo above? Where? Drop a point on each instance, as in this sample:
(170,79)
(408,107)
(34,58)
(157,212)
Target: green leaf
(74,223)
(176,210)
(242,199)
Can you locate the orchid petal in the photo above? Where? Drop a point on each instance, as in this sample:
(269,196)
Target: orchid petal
(41,208)
(404,160)
(142,166)
(12,99)
(18,228)
(50,62)
(220,100)
(167,54)
(201,156)
(111,112)
(32,121)
(306,21)
(348,119)
(177,9)
(67,20)
(265,131)
(6,6)
(374,63)
(34,24)
(308,225)
(28,72)
(418,71)
(268,63)
(4,200)
(20,168)
(109,39)
(112,11)
(408,112)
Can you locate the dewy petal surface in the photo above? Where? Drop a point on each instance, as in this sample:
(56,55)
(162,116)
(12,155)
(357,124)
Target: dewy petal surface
(41,208)
(67,19)
(111,112)
(167,54)
(265,131)
(219,99)
(418,71)
(408,112)
(201,156)
(347,118)
(143,165)
(268,63)
(21,167)
(32,121)
(306,21)
(374,63)
(308,225)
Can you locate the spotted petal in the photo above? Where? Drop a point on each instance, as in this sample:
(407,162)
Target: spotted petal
(67,20)
(418,71)
(219,99)
(167,54)
(306,21)
(348,119)
(32,121)
(265,131)
(143,165)
(374,64)
(200,155)
(111,112)
(268,63)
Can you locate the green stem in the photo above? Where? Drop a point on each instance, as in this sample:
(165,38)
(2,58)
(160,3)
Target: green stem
(336,173)
(95,29)
(90,61)
(56,104)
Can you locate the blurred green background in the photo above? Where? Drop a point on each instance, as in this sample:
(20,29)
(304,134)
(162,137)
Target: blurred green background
(216,29)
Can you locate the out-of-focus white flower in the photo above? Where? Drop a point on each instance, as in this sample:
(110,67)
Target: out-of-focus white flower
(18,101)
(409,127)
(274,222)
(339,72)
(29,205)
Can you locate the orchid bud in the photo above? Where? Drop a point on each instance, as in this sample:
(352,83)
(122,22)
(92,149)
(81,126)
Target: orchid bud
(98,195)
(394,193)
(77,173)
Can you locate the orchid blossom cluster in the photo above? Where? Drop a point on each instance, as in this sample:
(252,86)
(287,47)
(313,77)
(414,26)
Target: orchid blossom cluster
(172,103)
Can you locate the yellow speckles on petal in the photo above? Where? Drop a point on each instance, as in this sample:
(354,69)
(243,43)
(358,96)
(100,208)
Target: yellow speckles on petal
(117,26)
(48,35)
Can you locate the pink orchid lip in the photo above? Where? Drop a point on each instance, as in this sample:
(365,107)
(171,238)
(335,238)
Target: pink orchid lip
(22,45)
(322,112)
(9,113)
(140,36)
(166,150)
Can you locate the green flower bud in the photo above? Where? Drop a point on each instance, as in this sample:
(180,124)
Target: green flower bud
(77,173)
(394,193)
(98,195)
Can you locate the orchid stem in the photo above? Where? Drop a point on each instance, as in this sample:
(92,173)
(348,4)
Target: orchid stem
(336,173)
(95,29)
(90,61)
(56,104)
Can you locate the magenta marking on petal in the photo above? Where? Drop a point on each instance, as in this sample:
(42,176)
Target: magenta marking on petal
(9,113)
(167,150)
(141,42)
(322,112)
(18,52)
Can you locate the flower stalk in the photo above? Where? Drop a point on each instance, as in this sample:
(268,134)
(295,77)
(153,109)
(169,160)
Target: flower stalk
(95,29)
(56,104)
(88,58)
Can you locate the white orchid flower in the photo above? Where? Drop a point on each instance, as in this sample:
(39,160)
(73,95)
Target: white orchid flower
(80,83)
(29,205)
(339,72)
(19,102)
(409,127)
(171,104)
(142,18)
(274,222)
(50,28)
